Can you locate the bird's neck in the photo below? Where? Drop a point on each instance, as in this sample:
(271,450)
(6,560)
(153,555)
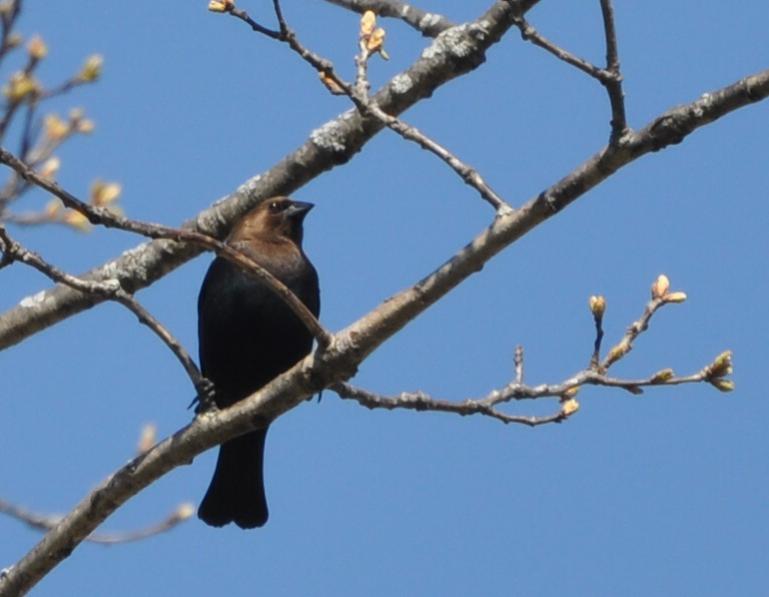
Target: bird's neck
(274,253)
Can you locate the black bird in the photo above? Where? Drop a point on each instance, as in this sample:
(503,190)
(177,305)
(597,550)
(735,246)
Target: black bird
(247,337)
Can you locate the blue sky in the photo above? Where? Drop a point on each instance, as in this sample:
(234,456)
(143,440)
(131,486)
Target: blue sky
(663,494)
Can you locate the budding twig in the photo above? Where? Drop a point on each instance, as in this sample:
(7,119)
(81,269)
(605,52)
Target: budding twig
(566,391)
(597,308)
(660,297)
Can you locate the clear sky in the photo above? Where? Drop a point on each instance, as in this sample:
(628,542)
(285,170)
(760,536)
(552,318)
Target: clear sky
(663,494)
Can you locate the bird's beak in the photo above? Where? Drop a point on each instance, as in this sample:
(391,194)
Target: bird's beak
(298,209)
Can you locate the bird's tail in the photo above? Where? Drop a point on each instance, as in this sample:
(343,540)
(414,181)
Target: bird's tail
(236,493)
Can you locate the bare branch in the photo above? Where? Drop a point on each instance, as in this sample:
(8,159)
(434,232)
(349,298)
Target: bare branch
(111,290)
(46,522)
(529,33)
(429,24)
(203,386)
(467,173)
(285,35)
(424,402)
(614,83)
(610,77)
(258,28)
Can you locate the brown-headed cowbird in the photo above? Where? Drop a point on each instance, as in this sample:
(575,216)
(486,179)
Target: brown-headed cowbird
(247,337)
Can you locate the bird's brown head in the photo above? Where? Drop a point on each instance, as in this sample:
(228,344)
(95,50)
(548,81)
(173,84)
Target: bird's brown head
(274,220)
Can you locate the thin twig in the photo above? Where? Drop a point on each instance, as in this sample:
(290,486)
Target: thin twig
(423,402)
(614,84)
(610,76)
(635,329)
(62,88)
(518,363)
(279,15)
(112,290)
(529,33)
(45,522)
(203,386)
(597,308)
(7,22)
(104,217)
(467,173)
(34,156)
(27,133)
(14,104)
(243,16)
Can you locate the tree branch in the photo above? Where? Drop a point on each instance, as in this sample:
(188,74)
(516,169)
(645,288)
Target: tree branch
(467,173)
(613,84)
(424,402)
(529,33)
(610,77)
(13,251)
(45,522)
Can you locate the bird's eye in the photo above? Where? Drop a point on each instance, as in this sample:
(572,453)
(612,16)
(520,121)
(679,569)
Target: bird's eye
(277,206)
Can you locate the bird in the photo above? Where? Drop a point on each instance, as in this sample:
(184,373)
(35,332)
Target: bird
(248,336)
